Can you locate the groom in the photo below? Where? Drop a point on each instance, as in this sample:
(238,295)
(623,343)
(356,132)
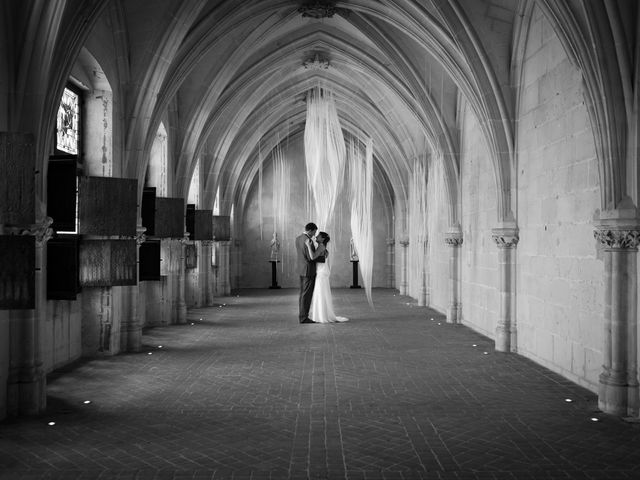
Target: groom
(306,269)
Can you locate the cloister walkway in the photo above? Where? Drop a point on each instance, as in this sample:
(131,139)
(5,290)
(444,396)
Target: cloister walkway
(242,391)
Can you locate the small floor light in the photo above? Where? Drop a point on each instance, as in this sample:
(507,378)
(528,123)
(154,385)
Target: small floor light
(150,353)
(87,402)
(485,353)
(474,345)
(595,419)
(51,424)
(568,400)
(159,346)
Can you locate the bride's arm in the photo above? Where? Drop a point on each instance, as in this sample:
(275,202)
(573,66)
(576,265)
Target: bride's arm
(315,254)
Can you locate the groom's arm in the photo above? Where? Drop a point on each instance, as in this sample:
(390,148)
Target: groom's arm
(314,252)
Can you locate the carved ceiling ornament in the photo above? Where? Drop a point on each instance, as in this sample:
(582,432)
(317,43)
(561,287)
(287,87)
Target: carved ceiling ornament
(618,238)
(318,62)
(318,9)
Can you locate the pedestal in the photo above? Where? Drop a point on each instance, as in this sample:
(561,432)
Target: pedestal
(354,267)
(274,273)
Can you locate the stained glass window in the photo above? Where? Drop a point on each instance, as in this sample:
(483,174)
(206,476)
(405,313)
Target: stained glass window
(68,120)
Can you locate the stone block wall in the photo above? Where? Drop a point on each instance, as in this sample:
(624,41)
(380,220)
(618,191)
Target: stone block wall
(479,254)
(559,275)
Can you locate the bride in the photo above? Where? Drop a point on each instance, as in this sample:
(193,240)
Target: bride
(321,310)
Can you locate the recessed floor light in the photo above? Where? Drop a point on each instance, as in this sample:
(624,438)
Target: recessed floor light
(595,419)
(568,400)
(86,402)
(51,424)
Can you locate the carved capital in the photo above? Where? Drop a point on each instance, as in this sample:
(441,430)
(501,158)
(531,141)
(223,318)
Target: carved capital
(185,239)
(42,231)
(140,236)
(318,9)
(207,243)
(618,238)
(505,237)
(318,62)
(453,239)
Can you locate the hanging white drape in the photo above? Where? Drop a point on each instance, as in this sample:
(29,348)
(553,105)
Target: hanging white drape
(281,196)
(361,180)
(324,151)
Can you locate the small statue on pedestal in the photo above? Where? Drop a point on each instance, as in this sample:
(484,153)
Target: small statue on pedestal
(354,253)
(275,248)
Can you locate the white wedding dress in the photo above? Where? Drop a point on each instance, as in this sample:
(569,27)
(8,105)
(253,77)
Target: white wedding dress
(322,302)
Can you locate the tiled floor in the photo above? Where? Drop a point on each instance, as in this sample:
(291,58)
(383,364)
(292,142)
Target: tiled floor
(245,392)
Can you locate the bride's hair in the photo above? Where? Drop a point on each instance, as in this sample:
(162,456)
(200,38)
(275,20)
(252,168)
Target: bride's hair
(325,238)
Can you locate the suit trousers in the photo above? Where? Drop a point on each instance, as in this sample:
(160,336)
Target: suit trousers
(306,293)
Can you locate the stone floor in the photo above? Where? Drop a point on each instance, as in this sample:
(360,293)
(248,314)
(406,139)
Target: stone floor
(245,392)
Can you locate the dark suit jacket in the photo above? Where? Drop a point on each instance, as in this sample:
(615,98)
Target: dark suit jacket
(306,267)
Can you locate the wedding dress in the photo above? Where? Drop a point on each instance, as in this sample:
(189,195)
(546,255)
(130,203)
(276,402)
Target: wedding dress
(321,310)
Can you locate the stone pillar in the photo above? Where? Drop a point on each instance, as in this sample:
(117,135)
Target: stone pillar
(26,383)
(207,246)
(403,267)
(131,326)
(390,262)
(506,330)
(223,268)
(424,297)
(182,282)
(454,240)
(618,393)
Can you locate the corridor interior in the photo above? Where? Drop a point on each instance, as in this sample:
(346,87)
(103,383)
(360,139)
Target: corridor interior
(242,391)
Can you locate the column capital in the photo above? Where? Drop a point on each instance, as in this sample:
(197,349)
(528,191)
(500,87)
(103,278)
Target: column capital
(453,239)
(505,237)
(41,230)
(404,241)
(391,241)
(140,236)
(620,237)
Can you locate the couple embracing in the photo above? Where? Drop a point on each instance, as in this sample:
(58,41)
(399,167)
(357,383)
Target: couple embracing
(316,304)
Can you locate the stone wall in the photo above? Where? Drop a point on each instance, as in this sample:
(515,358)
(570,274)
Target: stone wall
(479,255)
(559,277)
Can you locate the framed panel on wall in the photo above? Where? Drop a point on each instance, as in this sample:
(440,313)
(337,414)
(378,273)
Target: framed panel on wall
(17,272)
(107,206)
(149,266)
(221,228)
(62,268)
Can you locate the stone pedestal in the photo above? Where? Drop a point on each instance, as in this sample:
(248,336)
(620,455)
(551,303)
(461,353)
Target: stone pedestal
(453,240)
(618,393)
(506,330)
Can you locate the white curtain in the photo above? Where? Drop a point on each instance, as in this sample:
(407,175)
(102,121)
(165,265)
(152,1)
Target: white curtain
(361,179)
(325,153)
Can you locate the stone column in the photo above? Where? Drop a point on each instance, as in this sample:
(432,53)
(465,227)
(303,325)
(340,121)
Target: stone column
(27,385)
(182,281)
(390,262)
(618,393)
(223,268)
(424,297)
(454,240)
(506,331)
(403,267)
(131,326)
(207,246)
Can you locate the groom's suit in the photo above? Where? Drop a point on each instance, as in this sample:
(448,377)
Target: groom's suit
(306,267)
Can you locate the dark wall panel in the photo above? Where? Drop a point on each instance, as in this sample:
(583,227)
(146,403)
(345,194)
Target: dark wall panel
(17,272)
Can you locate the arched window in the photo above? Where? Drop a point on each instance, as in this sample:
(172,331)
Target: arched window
(158,164)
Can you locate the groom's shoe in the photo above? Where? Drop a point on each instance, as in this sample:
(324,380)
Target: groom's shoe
(307,320)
